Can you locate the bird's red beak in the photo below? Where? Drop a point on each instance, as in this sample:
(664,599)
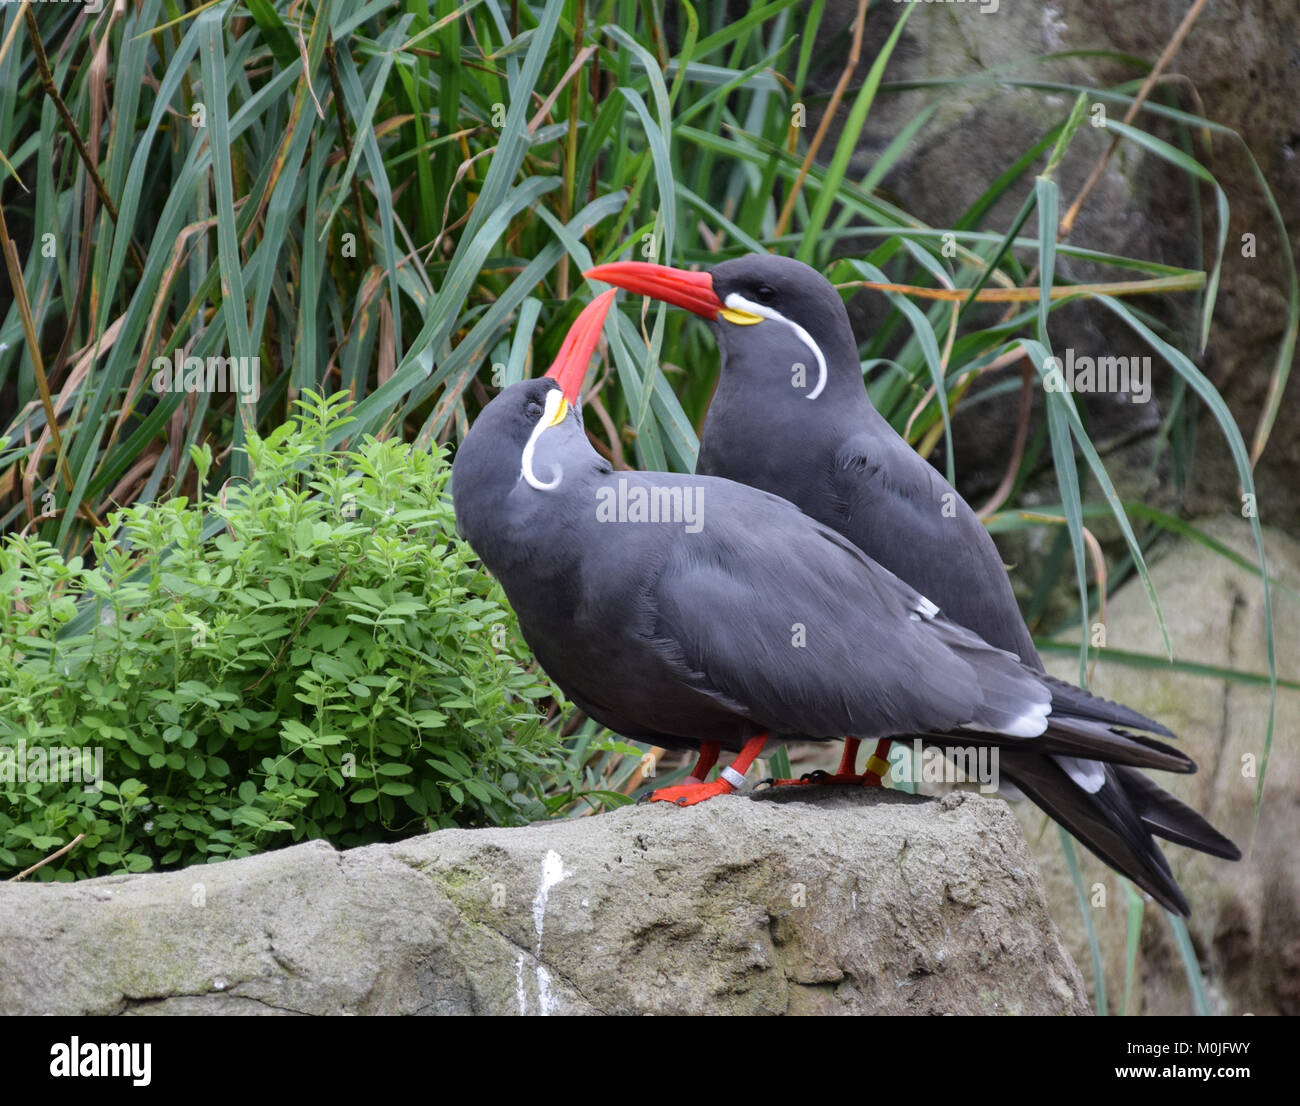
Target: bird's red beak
(693,291)
(579,344)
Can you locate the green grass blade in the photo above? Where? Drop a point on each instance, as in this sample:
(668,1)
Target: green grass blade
(929,343)
(1191,965)
(1182,365)
(1132,940)
(1189,165)
(514,140)
(1094,949)
(848,141)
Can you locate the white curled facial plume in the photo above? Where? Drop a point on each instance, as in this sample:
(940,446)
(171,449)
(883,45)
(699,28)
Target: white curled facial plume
(554,398)
(737,302)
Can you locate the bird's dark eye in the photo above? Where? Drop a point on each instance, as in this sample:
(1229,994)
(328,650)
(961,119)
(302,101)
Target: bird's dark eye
(765,292)
(534,409)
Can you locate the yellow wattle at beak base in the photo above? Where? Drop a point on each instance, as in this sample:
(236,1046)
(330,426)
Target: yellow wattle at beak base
(740,318)
(561,409)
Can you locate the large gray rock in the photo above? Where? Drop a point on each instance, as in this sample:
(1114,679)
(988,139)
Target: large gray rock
(837,902)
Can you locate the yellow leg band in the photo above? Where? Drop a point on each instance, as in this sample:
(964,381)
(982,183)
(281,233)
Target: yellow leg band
(878,766)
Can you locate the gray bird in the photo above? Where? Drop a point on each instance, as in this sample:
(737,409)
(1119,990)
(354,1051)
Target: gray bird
(663,606)
(791,416)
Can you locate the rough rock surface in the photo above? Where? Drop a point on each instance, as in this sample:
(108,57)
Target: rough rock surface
(1245,920)
(835,903)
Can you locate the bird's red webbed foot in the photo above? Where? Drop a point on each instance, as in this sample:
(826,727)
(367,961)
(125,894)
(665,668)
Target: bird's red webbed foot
(730,779)
(688,794)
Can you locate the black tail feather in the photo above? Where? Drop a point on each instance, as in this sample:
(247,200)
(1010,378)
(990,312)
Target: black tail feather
(1175,821)
(1074,700)
(1110,821)
(1079,737)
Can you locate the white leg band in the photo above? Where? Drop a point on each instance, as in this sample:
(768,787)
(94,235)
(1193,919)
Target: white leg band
(732,777)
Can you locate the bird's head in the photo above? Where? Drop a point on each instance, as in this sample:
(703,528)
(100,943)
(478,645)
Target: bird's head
(776,319)
(526,441)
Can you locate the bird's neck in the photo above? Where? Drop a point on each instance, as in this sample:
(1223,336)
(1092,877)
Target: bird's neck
(762,404)
(551,519)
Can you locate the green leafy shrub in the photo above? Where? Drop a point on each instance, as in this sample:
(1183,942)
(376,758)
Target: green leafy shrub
(327,660)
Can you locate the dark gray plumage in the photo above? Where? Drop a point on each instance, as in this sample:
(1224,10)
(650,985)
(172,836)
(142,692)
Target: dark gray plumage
(682,637)
(837,458)
(791,415)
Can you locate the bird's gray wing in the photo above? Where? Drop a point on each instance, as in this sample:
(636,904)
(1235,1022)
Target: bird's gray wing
(896,508)
(787,619)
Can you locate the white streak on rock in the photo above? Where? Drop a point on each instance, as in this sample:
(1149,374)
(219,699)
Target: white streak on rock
(552,873)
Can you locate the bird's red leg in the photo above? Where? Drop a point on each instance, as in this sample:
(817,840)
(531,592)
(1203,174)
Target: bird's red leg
(878,763)
(849,760)
(709,751)
(730,779)
(876,769)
